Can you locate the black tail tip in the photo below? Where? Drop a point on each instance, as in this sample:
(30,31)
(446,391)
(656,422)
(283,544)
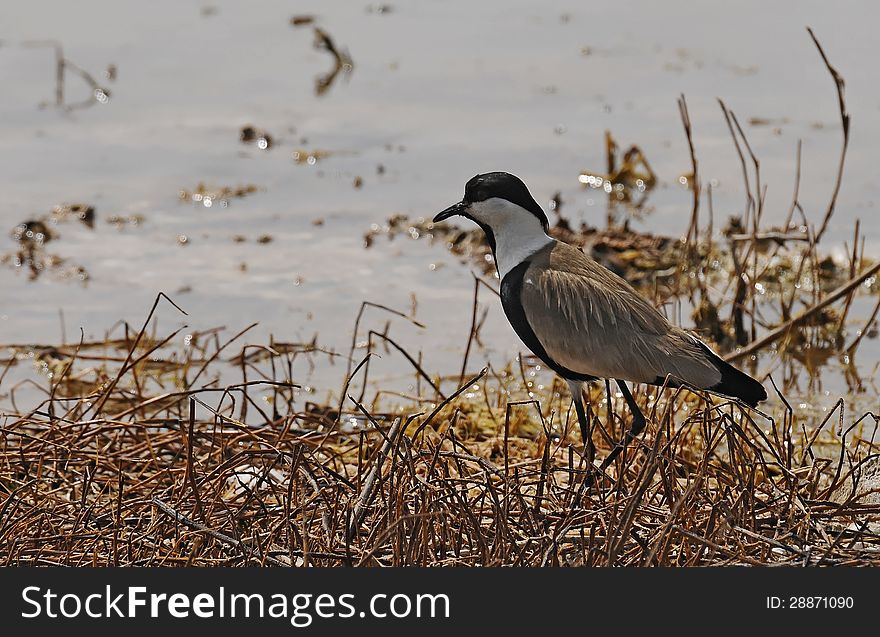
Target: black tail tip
(737,384)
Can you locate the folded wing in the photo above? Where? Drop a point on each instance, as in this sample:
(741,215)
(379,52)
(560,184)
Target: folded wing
(591,321)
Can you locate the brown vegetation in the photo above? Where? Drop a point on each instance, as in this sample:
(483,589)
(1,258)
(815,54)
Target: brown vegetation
(141,453)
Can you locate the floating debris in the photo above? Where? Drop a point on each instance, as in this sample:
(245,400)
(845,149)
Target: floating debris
(302,20)
(32,233)
(31,237)
(264,239)
(310,157)
(208,197)
(98,94)
(380,9)
(767,121)
(640,257)
(30,254)
(342,61)
(82,212)
(122,221)
(257,136)
(358,182)
(628,180)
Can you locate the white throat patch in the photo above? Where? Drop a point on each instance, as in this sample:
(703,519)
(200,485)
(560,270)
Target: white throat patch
(518,233)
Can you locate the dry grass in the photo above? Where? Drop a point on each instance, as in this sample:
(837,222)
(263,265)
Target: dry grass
(139,453)
(139,459)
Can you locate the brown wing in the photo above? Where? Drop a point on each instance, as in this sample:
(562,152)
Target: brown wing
(593,322)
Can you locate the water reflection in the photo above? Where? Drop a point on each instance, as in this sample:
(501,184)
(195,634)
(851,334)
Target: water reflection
(628,180)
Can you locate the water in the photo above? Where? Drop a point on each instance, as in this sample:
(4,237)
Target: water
(439,92)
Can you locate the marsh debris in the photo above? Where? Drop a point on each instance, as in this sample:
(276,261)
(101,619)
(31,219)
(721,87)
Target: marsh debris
(342,62)
(99,93)
(310,157)
(115,462)
(83,213)
(302,20)
(766,239)
(475,479)
(628,179)
(33,258)
(250,134)
(32,235)
(221,196)
(768,121)
(120,222)
(640,257)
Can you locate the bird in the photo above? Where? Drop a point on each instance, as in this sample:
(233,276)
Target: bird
(582,320)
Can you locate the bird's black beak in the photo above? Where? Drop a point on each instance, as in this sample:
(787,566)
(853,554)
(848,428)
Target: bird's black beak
(457,209)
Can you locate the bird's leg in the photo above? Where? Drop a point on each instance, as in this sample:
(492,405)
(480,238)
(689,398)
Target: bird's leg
(608,410)
(638,424)
(586,433)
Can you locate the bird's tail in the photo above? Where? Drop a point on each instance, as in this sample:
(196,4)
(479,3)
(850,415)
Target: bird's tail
(735,383)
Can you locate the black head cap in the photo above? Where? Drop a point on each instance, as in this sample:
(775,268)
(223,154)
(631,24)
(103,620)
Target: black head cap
(503,186)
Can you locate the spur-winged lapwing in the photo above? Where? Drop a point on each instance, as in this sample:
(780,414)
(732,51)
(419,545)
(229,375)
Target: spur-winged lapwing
(581,319)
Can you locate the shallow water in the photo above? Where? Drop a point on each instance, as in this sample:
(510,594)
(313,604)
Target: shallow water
(439,91)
